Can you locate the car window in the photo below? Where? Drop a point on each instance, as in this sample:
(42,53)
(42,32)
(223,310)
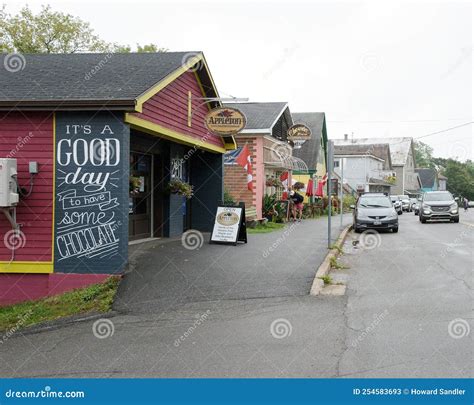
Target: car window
(438,197)
(375,202)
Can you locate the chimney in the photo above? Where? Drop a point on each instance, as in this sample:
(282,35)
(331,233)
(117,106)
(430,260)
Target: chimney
(346,137)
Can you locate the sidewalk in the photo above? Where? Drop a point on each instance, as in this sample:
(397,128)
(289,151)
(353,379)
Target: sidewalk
(278,264)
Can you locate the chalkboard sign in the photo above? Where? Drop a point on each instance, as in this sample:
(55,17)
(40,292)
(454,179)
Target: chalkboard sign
(92,181)
(229,225)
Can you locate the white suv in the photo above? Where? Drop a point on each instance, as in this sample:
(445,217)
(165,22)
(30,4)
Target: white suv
(438,205)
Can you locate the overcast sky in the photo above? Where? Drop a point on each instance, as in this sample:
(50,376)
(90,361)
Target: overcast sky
(382,68)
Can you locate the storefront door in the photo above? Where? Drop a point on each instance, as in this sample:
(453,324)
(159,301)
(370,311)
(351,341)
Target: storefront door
(140,199)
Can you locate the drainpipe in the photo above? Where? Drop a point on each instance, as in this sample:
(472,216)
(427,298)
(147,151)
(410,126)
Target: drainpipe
(403,180)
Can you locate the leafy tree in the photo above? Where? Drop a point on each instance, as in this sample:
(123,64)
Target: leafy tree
(423,154)
(460,176)
(55,32)
(47,32)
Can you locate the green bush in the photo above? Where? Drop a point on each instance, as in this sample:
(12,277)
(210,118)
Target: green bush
(228,199)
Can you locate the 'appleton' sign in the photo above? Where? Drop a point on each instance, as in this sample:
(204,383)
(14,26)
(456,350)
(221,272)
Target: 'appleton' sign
(225,121)
(299,132)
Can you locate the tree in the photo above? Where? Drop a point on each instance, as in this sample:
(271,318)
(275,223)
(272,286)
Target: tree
(48,32)
(423,155)
(55,32)
(460,176)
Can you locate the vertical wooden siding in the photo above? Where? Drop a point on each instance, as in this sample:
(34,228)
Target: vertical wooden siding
(28,137)
(169,108)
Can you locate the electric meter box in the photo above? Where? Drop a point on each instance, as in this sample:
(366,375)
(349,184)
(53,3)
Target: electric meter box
(8,183)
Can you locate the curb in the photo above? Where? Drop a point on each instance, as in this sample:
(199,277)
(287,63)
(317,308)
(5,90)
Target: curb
(63,322)
(325,266)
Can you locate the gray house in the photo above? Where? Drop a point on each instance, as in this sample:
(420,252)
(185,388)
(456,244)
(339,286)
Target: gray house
(402,154)
(367,167)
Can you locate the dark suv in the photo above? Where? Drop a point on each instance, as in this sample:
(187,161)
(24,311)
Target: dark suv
(374,211)
(438,205)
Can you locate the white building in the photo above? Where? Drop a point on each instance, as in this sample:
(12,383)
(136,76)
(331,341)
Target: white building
(367,168)
(402,154)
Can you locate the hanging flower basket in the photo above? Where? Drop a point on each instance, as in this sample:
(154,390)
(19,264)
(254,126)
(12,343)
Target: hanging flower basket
(180,187)
(272,182)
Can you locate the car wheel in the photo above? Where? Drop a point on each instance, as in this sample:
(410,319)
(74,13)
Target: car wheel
(401,212)
(357,230)
(395,230)
(423,220)
(456,220)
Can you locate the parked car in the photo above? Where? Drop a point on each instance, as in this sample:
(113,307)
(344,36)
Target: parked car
(437,205)
(397,204)
(406,206)
(374,211)
(416,207)
(413,203)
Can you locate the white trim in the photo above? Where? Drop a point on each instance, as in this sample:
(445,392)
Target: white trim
(255,131)
(359,156)
(279,115)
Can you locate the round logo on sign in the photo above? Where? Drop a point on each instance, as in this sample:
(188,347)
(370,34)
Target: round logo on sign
(299,132)
(227,218)
(225,121)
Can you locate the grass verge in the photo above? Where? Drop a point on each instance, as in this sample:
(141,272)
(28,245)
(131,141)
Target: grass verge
(266,228)
(95,298)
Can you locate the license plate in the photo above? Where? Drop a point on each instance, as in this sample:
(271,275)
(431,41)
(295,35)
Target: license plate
(377,222)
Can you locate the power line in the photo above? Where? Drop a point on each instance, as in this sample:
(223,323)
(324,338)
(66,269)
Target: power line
(446,130)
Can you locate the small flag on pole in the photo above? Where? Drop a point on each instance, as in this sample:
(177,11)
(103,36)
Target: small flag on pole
(244,160)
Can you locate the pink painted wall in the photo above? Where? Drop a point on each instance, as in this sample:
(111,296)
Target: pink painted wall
(28,136)
(169,108)
(260,175)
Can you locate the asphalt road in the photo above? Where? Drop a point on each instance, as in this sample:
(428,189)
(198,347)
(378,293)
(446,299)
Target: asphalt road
(410,295)
(393,322)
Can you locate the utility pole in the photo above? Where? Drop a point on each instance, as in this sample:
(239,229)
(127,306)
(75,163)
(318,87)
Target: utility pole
(330,163)
(342,187)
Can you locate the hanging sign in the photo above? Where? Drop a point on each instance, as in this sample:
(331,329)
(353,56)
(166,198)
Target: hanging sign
(298,132)
(229,225)
(224,121)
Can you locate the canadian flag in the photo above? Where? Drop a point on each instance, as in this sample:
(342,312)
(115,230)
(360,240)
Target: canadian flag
(284,179)
(325,179)
(244,160)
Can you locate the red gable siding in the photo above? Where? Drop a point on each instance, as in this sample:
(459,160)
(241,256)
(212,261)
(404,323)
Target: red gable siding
(169,108)
(28,137)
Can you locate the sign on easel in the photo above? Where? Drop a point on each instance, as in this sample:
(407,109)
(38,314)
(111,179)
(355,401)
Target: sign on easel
(229,225)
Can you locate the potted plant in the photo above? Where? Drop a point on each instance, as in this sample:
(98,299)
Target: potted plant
(134,184)
(177,186)
(272,182)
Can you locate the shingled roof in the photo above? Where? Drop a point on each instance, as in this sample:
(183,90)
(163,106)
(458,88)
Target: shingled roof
(427,177)
(86,78)
(399,147)
(261,117)
(380,150)
(310,150)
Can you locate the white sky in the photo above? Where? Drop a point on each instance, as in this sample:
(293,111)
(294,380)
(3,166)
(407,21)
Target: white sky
(381,68)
